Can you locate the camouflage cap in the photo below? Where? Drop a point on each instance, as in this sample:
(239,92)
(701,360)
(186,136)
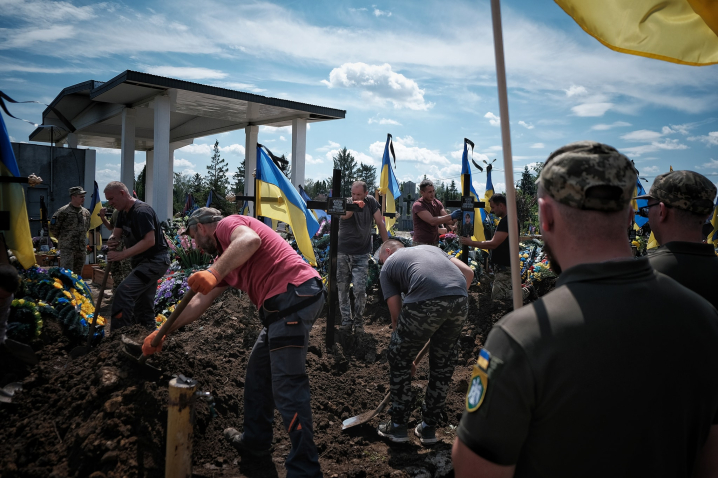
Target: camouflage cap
(686,190)
(573,171)
(77,190)
(203,215)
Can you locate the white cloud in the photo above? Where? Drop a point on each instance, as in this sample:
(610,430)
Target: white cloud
(650,169)
(185,72)
(643,135)
(405,151)
(138,167)
(359,157)
(384,121)
(712,164)
(525,124)
(235,148)
(277,129)
(495,148)
(381,13)
(240,86)
(711,139)
(668,144)
(538,146)
(604,127)
(493,119)
(206,149)
(107,150)
(309,159)
(405,140)
(282,138)
(328,147)
(379,84)
(183,163)
(591,109)
(575,91)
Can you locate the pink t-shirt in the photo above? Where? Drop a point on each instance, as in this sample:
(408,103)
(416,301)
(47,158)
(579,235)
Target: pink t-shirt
(424,232)
(271,268)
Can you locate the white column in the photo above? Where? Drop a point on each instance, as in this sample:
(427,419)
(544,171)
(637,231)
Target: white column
(127,145)
(299,150)
(72,140)
(149,178)
(171,182)
(90,167)
(161,169)
(250,161)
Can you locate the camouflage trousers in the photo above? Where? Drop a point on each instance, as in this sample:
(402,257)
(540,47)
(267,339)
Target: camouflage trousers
(119,270)
(501,288)
(72,260)
(439,320)
(352,269)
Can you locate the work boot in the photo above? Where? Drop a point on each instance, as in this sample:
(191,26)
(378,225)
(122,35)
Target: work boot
(236,439)
(359,329)
(426,434)
(395,433)
(345,328)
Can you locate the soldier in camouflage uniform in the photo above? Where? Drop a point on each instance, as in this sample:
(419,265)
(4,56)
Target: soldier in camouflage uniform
(434,307)
(118,269)
(69,225)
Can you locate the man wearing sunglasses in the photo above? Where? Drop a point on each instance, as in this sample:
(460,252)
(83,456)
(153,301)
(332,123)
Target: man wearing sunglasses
(679,203)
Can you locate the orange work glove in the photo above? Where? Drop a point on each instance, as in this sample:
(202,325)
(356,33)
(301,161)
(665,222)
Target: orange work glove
(147,348)
(203,281)
(359,203)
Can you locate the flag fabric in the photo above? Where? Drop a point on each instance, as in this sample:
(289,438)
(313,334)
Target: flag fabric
(319,214)
(12,199)
(95,206)
(679,31)
(244,209)
(713,236)
(209,198)
(189,204)
(489,192)
(478,212)
(652,242)
(289,207)
(639,203)
(388,186)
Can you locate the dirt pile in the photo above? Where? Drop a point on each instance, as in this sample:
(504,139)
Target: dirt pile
(103,416)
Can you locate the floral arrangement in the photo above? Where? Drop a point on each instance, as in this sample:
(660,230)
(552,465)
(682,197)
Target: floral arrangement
(171,288)
(184,248)
(25,321)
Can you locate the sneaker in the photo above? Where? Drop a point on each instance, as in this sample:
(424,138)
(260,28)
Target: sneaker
(426,434)
(397,434)
(359,329)
(345,328)
(236,439)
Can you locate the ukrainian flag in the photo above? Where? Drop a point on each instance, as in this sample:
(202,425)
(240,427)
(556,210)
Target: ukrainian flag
(12,199)
(652,242)
(679,31)
(713,236)
(95,206)
(244,209)
(388,186)
(466,171)
(318,213)
(639,203)
(489,192)
(289,206)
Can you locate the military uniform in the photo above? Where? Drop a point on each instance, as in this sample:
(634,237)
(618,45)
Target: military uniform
(69,225)
(501,259)
(435,307)
(581,384)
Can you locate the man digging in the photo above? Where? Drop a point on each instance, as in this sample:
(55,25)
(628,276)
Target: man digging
(434,307)
(289,295)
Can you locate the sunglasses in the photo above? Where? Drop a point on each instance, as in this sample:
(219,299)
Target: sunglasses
(643,211)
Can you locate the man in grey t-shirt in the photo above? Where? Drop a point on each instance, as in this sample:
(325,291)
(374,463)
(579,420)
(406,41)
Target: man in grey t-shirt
(435,307)
(353,255)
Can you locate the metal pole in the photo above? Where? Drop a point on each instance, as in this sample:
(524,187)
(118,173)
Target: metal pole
(332,277)
(465,191)
(178,458)
(508,160)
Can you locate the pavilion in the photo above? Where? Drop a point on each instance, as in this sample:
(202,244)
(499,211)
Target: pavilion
(141,112)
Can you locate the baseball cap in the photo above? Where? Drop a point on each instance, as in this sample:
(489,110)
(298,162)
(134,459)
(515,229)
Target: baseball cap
(203,215)
(686,190)
(589,175)
(77,190)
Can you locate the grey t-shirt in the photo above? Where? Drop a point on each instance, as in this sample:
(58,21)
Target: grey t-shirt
(422,273)
(355,232)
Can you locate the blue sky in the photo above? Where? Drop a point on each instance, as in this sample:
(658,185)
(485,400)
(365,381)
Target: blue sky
(423,71)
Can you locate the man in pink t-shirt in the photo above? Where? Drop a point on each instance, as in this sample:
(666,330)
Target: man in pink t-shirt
(289,295)
(428,214)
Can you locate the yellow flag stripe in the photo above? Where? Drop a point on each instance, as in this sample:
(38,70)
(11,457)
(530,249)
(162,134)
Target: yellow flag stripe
(19,238)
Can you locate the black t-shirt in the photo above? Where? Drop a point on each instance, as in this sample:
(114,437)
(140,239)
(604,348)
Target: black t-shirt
(611,374)
(355,232)
(135,224)
(692,264)
(501,256)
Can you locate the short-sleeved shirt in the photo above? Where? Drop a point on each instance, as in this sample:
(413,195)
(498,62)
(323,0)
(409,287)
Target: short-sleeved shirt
(271,268)
(422,273)
(692,264)
(501,256)
(355,232)
(135,225)
(424,232)
(611,374)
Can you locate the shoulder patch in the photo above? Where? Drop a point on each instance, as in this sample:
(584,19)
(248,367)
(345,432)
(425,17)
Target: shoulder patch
(479,382)
(53,220)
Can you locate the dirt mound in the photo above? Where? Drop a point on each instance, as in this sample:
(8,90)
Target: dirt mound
(102,415)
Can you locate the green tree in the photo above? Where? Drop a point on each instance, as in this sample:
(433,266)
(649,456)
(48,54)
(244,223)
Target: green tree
(453,192)
(140,184)
(199,189)
(238,177)
(216,179)
(348,165)
(367,173)
(181,187)
(527,183)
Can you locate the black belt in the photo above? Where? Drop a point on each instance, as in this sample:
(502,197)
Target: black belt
(269,319)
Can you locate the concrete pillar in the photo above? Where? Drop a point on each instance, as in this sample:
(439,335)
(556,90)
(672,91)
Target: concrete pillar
(127,146)
(299,150)
(250,161)
(72,140)
(162,167)
(171,182)
(149,178)
(89,181)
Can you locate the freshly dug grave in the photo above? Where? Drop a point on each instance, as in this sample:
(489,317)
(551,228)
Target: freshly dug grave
(102,415)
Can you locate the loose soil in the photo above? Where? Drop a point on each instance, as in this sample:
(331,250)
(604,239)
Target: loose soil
(102,415)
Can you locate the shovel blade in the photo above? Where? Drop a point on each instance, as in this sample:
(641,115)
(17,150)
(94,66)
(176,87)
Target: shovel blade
(366,416)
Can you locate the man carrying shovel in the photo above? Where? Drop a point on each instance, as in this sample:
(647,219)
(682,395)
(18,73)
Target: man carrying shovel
(434,307)
(289,295)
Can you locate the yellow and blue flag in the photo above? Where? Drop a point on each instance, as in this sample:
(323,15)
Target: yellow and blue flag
(318,213)
(12,199)
(478,212)
(95,206)
(289,206)
(679,31)
(388,186)
(489,192)
(244,209)
(639,203)
(713,236)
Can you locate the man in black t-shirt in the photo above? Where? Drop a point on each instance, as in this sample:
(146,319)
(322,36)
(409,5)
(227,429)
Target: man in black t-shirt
(353,255)
(578,383)
(146,248)
(500,255)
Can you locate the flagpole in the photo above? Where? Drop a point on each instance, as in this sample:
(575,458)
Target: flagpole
(508,160)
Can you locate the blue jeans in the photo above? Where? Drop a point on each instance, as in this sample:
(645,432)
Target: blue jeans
(277,376)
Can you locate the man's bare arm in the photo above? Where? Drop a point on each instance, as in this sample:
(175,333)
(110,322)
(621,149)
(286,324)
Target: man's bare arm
(379,219)
(466,270)
(141,246)
(196,307)
(499,237)
(435,220)
(469,464)
(394,303)
(244,244)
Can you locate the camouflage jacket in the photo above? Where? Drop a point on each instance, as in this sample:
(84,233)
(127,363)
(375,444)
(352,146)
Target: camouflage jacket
(69,225)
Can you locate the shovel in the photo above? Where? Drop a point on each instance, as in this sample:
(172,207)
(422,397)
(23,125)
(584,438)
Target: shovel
(366,416)
(165,327)
(7,392)
(85,349)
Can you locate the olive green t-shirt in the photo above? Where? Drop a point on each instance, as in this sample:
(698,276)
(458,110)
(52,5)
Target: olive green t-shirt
(614,373)
(692,264)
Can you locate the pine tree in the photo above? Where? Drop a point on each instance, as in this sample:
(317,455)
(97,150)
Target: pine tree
(140,183)
(217,169)
(527,183)
(348,165)
(367,173)
(453,192)
(238,176)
